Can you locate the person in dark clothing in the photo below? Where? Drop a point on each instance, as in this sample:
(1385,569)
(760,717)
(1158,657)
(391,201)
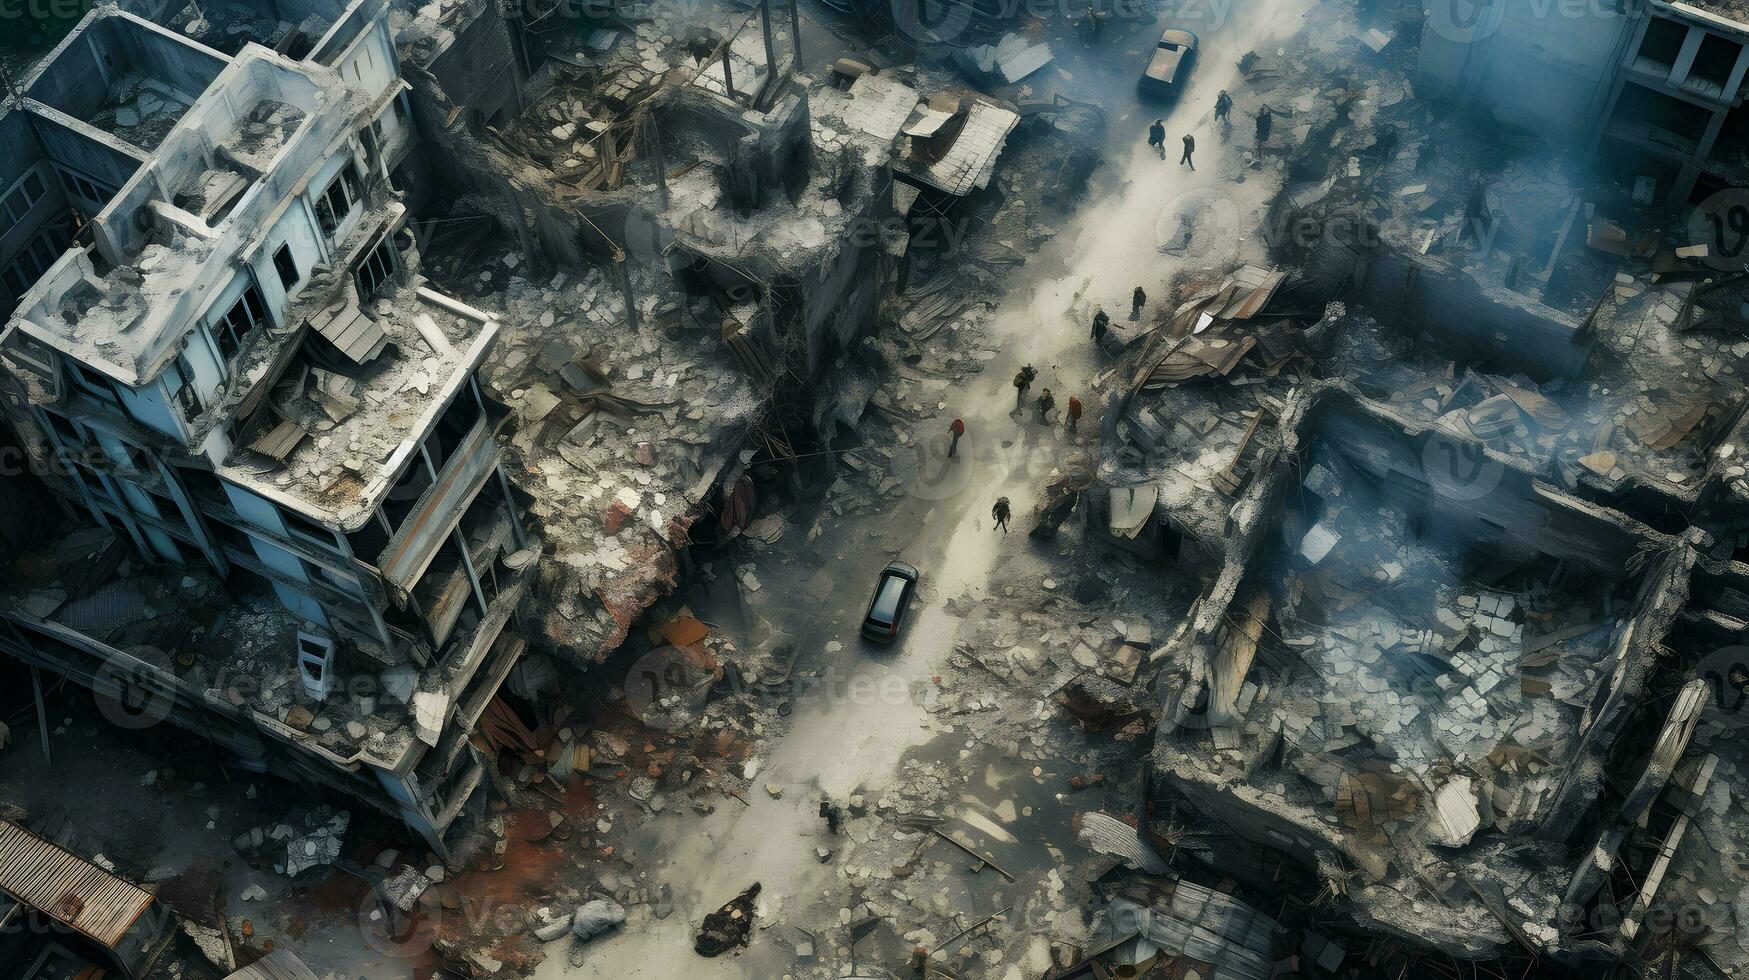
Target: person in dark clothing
(1101,323)
(1138,299)
(1265,118)
(1092,25)
(832,814)
(1157,136)
(1022,382)
(957,429)
(1074,415)
(1424,155)
(1045,404)
(1189,148)
(1224,108)
(1000,513)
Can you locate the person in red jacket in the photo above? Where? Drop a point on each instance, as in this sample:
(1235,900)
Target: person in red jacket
(1074,415)
(958,428)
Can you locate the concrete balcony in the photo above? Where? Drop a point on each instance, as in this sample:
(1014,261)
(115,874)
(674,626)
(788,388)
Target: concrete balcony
(440,507)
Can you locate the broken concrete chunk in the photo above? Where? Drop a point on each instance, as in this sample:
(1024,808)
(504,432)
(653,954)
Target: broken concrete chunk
(429,711)
(1318,542)
(1456,815)
(597,917)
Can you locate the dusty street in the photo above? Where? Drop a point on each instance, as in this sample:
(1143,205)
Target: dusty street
(447,449)
(849,735)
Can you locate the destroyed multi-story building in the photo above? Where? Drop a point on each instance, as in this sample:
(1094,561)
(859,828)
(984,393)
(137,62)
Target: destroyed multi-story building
(1652,93)
(291,530)
(1467,577)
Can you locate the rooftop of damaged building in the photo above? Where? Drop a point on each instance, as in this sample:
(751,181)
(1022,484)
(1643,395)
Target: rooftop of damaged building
(1367,676)
(1598,368)
(948,142)
(234,647)
(330,436)
(170,234)
(618,431)
(1447,507)
(1729,14)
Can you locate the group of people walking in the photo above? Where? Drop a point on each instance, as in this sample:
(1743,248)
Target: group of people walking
(1046,402)
(1224,116)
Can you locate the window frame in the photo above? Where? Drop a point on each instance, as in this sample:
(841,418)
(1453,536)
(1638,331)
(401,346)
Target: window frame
(344,187)
(290,262)
(382,253)
(228,329)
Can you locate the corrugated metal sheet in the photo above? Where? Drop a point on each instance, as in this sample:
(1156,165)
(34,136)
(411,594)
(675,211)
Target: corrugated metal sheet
(277,965)
(356,335)
(69,889)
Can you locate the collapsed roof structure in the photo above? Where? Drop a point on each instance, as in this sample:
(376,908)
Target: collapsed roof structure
(338,520)
(1471,536)
(246,392)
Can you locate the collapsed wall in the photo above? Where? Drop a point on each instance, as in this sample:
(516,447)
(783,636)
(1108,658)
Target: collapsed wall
(701,217)
(1377,835)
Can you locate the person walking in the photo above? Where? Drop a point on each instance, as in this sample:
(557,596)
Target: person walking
(1092,25)
(1224,108)
(1138,299)
(1265,119)
(957,429)
(1022,383)
(1000,513)
(1045,404)
(1074,415)
(1189,148)
(1101,323)
(1157,136)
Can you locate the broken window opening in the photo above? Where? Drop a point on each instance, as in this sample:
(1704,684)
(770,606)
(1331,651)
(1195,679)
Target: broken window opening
(93,383)
(243,316)
(1713,64)
(316,664)
(1657,118)
(376,268)
(287,267)
(186,395)
(95,195)
(369,541)
(1662,43)
(37,258)
(24,195)
(336,203)
(452,427)
(304,529)
(398,505)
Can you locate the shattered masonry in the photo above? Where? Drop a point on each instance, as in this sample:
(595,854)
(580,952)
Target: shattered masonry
(1441,477)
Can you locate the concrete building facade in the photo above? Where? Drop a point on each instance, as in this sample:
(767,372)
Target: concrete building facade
(226,364)
(1651,91)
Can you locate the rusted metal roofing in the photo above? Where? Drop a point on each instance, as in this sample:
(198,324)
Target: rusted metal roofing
(68,888)
(277,965)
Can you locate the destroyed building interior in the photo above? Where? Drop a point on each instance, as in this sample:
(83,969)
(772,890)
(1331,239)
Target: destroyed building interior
(829,488)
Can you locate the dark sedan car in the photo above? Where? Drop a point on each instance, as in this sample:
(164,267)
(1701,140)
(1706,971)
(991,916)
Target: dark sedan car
(892,596)
(1168,67)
